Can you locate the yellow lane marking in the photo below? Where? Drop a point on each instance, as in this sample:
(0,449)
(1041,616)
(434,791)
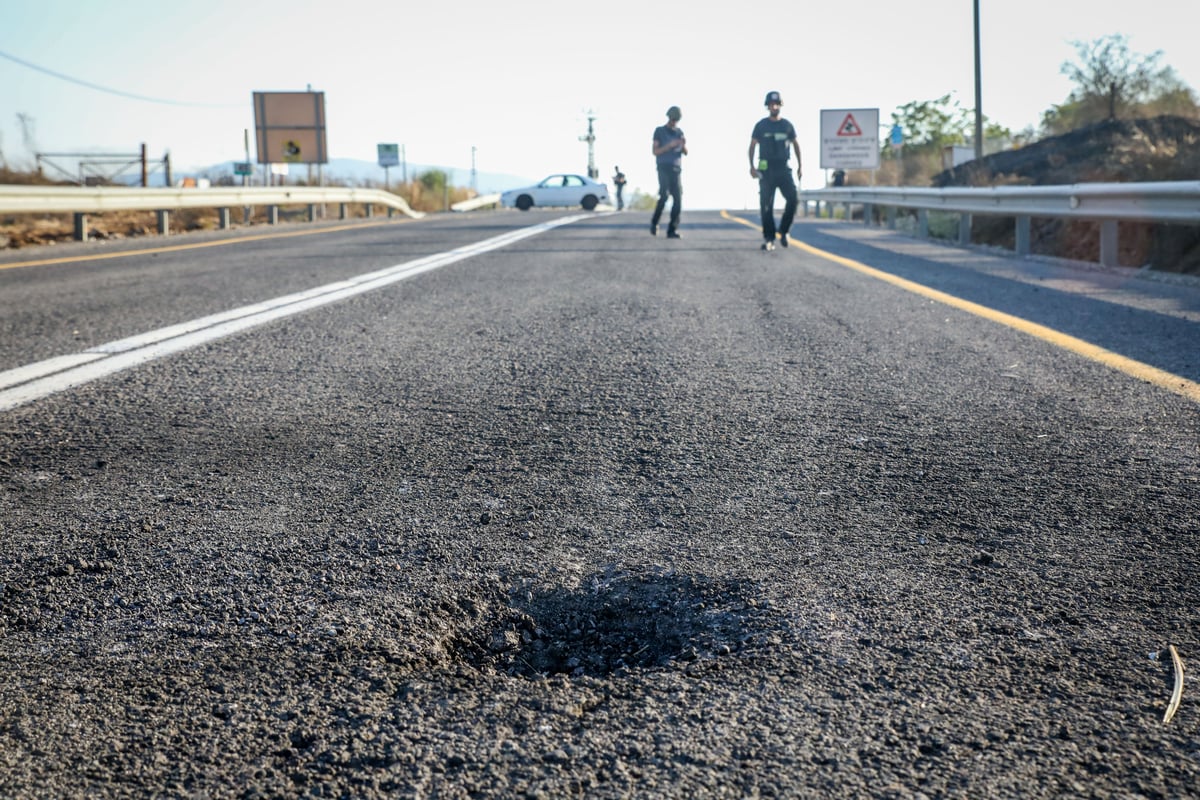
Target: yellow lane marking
(193,246)
(1137,369)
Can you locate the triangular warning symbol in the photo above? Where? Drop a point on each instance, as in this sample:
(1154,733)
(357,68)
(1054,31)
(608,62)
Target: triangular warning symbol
(849,127)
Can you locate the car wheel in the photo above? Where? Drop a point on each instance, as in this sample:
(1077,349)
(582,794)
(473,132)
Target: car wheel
(524,202)
(589,202)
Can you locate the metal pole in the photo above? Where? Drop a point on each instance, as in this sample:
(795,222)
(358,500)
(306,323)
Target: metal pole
(978,91)
(591,143)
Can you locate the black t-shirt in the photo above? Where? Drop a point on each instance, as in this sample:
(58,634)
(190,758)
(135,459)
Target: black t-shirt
(665,134)
(774,137)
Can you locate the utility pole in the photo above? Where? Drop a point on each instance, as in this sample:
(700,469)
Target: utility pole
(474,175)
(591,143)
(978,91)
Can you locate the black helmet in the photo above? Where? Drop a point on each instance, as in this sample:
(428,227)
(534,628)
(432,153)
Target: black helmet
(674,113)
(773,97)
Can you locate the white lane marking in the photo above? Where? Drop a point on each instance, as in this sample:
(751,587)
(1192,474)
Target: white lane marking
(35,381)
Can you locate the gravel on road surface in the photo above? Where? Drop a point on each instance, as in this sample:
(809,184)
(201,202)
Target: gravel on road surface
(599,515)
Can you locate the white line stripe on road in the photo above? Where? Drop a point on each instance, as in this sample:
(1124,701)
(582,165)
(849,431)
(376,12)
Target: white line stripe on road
(35,381)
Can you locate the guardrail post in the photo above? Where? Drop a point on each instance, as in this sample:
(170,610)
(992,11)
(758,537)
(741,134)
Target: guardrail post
(964,229)
(312,212)
(164,222)
(848,217)
(923,223)
(272,215)
(341,210)
(890,214)
(370,210)
(1024,237)
(868,214)
(223,216)
(245,215)
(81,229)
(1109,251)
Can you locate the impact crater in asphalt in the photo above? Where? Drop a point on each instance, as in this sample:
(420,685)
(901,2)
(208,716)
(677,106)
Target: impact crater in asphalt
(617,620)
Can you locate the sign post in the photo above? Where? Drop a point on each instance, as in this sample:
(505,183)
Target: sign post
(389,156)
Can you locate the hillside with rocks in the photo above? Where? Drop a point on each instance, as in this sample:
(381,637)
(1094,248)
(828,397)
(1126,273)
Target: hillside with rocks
(1158,149)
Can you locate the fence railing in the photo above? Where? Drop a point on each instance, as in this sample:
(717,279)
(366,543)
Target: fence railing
(1106,203)
(85,200)
(474,203)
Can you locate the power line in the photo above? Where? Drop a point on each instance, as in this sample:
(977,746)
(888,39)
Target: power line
(107,90)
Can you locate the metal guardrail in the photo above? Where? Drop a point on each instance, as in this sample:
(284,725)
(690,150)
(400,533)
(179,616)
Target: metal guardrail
(477,202)
(92,200)
(84,200)
(1175,202)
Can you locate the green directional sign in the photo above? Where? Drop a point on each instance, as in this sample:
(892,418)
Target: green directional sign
(389,155)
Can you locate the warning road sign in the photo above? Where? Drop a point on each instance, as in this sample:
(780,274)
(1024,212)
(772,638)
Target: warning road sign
(850,138)
(849,127)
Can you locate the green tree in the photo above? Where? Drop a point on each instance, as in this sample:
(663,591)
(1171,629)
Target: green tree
(929,127)
(434,180)
(1113,82)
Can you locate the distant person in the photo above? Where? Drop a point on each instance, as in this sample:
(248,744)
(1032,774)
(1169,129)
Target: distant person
(771,137)
(669,147)
(619,182)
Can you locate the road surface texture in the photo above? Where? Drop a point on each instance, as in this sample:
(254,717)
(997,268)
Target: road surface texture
(600,515)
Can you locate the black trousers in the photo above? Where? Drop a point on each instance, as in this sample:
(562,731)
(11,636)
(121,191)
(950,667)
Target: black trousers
(768,181)
(668,184)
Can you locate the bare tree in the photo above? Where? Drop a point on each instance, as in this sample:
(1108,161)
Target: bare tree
(1110,74)
(1113,82)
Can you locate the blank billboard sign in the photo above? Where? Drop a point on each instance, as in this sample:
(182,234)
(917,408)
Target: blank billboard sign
(289,127)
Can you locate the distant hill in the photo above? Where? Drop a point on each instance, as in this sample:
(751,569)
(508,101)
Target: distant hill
(361,173)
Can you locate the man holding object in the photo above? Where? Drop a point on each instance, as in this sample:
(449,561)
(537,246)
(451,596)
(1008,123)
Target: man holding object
(669,147)
(771,137)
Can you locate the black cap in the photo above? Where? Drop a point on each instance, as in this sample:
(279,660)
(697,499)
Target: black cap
(773,97)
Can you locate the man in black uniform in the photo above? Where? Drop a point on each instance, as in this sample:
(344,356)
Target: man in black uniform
(669,147)
(619,182)
(771,136)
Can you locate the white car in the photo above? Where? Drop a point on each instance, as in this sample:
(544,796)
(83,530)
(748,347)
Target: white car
(558,190)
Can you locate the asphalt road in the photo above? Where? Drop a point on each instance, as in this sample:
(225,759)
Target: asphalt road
(596,514)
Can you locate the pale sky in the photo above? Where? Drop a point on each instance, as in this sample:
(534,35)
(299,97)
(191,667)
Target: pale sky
(516,79)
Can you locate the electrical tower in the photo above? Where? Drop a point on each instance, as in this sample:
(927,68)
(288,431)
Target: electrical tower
(591,143)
